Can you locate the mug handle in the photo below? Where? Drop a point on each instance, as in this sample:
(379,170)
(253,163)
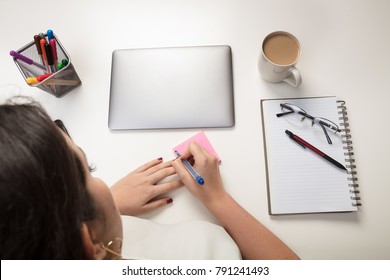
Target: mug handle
(294,77)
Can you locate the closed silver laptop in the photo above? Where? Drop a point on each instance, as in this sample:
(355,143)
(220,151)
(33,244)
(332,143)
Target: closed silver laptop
(181,87)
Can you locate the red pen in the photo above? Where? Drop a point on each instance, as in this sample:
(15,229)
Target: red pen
(305,145)
(53,47)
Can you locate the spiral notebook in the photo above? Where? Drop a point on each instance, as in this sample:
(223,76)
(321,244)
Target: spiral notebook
(299,180)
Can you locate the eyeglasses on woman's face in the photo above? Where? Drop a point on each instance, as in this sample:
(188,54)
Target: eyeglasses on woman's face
(114,247)
(61,126)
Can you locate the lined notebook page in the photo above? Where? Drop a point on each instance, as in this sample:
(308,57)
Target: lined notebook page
(300,181)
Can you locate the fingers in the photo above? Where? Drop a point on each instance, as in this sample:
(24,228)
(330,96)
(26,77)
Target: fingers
(166,187)
(159,190)
(157,168)
(149,165)
(160,174)
(193,150)
(181,170)
(156,203)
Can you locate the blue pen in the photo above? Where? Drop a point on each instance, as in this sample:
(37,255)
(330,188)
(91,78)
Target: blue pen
(191,170)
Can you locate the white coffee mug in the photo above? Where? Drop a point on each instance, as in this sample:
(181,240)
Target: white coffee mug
(280,53)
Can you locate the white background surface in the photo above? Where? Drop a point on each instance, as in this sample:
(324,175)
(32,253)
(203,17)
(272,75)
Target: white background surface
(345,52)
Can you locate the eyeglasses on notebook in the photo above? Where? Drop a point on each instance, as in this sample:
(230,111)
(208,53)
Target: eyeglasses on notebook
(322,122)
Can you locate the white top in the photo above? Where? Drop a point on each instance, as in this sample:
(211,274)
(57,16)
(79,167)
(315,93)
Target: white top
(145,239)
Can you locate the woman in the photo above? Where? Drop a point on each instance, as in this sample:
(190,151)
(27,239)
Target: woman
(53,208)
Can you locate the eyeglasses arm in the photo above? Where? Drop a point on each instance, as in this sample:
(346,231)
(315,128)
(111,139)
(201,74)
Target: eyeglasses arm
(326,133)
(284,113)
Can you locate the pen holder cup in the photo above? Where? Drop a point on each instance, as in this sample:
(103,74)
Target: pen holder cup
(59,82)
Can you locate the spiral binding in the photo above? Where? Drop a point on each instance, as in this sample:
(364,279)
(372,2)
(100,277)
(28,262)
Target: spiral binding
(349,154)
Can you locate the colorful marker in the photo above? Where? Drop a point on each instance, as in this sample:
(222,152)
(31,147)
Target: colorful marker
(26,59)
(50,35)
(53,47)
(43,43)
(40,78)
(62,64)
(37,40)
(65,62)
(49,58)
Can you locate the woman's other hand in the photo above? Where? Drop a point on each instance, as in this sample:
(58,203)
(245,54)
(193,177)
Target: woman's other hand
(141,190)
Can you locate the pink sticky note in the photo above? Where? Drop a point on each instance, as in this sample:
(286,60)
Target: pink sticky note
(202,140)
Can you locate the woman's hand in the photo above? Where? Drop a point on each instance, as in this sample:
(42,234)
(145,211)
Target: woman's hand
(254,239)
(207,167)
(141,190)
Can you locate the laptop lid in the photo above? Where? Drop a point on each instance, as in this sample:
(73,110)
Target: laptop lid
(180,87)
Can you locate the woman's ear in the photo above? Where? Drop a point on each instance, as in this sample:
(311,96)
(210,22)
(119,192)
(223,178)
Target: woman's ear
(92,250)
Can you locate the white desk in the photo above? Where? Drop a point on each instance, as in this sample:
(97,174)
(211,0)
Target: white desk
(345,53)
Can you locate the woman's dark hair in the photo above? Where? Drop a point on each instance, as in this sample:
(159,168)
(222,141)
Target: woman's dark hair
(43,195)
